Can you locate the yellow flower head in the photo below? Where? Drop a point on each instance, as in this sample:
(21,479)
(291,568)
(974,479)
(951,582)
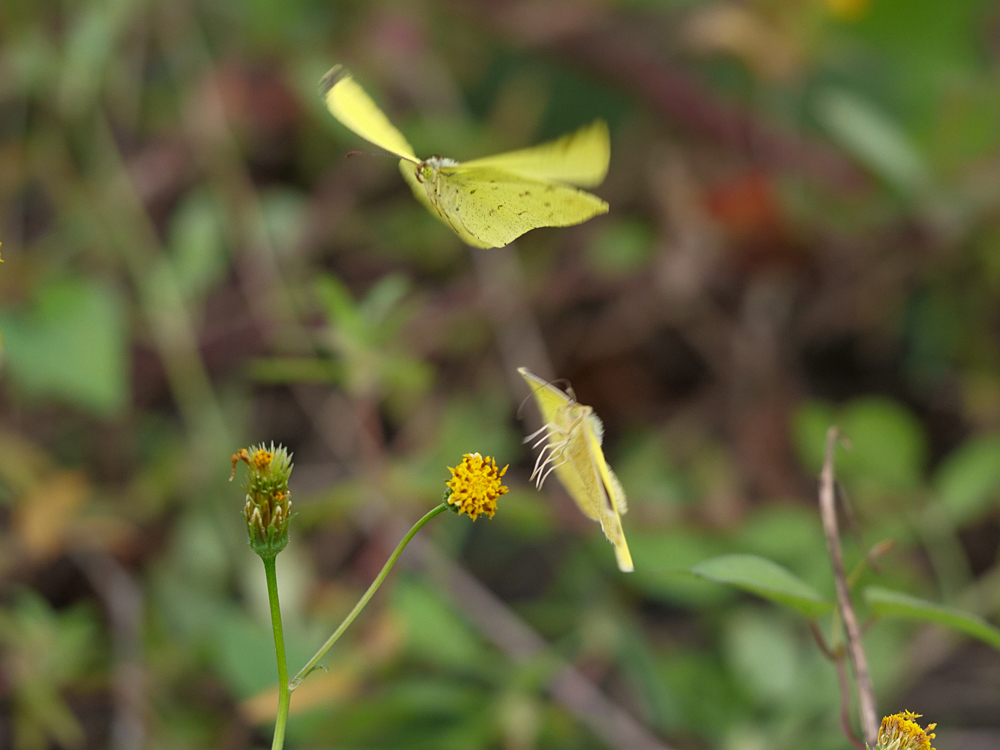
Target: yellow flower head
(262,459)
(476,485)
(901,732)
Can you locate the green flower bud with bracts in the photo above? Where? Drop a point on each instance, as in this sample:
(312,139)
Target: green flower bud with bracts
(268,502)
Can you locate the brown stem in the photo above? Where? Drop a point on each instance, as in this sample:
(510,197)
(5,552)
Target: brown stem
(828,510)
(837,657)
(821,642)
(845,705)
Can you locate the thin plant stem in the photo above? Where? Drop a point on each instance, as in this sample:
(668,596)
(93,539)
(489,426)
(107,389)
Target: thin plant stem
(837,657)
(311,664)
(852,633)
(845,705)
(284,692)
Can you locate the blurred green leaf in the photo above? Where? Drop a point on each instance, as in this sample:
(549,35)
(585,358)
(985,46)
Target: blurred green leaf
(874,139)
(363,334)
(887,445)
(763,652)
(888,603)
(968,481)
(621,247)
(929,43)
(46,652)
(340,307)
(71,345)
(242,651)
(196,240)
(761,576)
(708,701)
(89,48)
(809,425)
(283,211)
(422,713)
(434,630)
(887,442)
(660,556)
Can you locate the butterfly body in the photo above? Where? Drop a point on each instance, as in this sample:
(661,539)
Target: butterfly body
(487,202)
(572,438)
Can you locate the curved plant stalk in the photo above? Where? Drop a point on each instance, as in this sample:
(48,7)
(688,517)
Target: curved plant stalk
(311,665)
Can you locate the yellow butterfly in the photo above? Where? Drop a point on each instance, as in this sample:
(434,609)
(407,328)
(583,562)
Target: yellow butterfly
(572,436)
(488,202)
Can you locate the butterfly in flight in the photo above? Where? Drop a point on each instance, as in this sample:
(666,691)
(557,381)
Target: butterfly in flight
(492,201)
(571,440)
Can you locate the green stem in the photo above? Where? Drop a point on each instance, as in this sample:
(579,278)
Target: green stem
(284,691)
(311,665)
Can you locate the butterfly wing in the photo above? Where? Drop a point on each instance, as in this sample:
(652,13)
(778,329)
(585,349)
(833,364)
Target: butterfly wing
(349,103)
(496,207)
(611,520)
(580,158)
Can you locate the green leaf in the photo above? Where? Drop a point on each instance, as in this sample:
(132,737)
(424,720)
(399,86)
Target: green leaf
(434,630)
(661,554)
(876,141)
(888,445)
(341,309)
(888,448)
(71,346)
(968,482)
(809,425)
(766,578)
(888,603)
(197,243)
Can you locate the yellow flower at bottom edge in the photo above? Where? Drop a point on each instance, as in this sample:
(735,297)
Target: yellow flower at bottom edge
(901,732)
(476,485)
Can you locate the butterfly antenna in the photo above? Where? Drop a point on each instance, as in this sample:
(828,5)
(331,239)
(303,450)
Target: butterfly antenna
(566,387)
(520,409)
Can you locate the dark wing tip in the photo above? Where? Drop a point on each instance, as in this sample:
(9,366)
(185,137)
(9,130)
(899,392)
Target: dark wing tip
(335,75)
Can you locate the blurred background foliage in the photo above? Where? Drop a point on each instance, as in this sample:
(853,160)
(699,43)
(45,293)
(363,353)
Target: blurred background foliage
(804,230)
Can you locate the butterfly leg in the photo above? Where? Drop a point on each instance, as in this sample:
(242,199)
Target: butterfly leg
(552,467)
(553,430)
(550,457)
(539,431)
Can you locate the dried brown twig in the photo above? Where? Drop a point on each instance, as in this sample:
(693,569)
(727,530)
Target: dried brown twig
(855,650)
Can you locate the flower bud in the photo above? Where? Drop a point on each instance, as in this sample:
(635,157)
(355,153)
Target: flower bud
(268,506)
